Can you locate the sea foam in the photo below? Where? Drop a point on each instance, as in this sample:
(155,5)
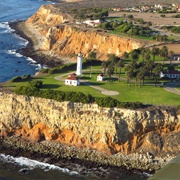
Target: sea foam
(32,164)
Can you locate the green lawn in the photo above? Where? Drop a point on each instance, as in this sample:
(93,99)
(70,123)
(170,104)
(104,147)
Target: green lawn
(147,94)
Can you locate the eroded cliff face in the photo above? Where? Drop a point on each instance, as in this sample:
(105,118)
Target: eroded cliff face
(59,36)
(109,130)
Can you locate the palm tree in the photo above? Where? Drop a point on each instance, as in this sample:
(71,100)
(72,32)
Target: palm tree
(141,74)
(171,53)
(91,56)
(120,64)
(104,66)
(110,71)
(143,52)
(125,55)
(164,53)
(130,75)
(134,55)
(130,71)
(154,52)
(156,71)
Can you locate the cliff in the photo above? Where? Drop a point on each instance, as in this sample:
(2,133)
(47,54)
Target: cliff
(57,34)
(109,130)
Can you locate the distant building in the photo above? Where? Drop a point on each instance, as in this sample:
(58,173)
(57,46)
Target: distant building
(93,23)
(72,80)
(100,77)
(176,57)
(173,74)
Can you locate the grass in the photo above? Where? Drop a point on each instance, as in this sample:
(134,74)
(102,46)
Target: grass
(147,94)
(114,19)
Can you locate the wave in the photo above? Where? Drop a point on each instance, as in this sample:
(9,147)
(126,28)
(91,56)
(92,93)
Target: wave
(33,164)
(6,27)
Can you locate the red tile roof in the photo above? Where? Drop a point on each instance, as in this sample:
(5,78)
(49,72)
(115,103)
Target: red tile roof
(72,77)
(171,72)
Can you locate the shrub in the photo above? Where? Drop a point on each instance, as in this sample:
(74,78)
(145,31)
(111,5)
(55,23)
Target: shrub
(27,90)
(44,70)
(37,84)
(26,77)
(74,97)
(16,79)
(106,101)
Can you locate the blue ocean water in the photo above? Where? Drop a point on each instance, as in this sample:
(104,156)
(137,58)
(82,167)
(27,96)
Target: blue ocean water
(12,63)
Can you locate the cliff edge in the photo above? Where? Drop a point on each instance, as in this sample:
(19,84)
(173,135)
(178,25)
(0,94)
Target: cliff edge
(108,130)
(56,34)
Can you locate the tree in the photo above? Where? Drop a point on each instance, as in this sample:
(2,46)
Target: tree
(141,75)
(125,55)
(130,70)
(130,75)
(130,16)
(164,53)
(156,71)
(120,64)
(112,58)
(130,32)
(91,56)
(104,66)
(149,23)
(147,56)
(154,52)
(110,71)
(134,55)
(149,67)
(171,53)
(143,52)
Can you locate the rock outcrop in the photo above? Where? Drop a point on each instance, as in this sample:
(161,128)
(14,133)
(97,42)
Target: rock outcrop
(58,35)
(109,130)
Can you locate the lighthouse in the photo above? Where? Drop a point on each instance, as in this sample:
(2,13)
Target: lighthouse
(79,64)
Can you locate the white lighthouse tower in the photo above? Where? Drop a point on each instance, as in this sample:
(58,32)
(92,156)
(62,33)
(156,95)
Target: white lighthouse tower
(79,64)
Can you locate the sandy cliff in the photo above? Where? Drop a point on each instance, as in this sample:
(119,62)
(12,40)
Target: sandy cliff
(57,35)
(109,130)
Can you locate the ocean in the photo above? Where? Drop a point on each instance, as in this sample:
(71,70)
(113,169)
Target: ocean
(12,64)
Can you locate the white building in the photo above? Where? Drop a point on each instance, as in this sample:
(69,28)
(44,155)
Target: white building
(79,64)
(100,77)
(72,80)
(174,74)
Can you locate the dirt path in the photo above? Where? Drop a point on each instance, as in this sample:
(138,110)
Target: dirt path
(171,87)
(85,82)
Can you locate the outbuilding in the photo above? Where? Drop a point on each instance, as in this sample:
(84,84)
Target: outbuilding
(100,77)
(173,74)
(72,80)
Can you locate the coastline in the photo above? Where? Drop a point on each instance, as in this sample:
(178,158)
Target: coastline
(29,51)
(75,158)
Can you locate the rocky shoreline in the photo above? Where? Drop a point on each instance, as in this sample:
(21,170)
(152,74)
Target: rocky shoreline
(29,50)
(86,159)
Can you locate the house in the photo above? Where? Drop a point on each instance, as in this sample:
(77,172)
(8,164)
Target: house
(173,74)
(176,57)
(100,77)
(72,80)
(93,23)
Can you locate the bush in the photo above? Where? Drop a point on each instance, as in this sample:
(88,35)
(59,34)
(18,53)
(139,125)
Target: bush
(44,70)
(26,77)
(106,102)
(27,90)
(16,79)
(74,97)
(37,84)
